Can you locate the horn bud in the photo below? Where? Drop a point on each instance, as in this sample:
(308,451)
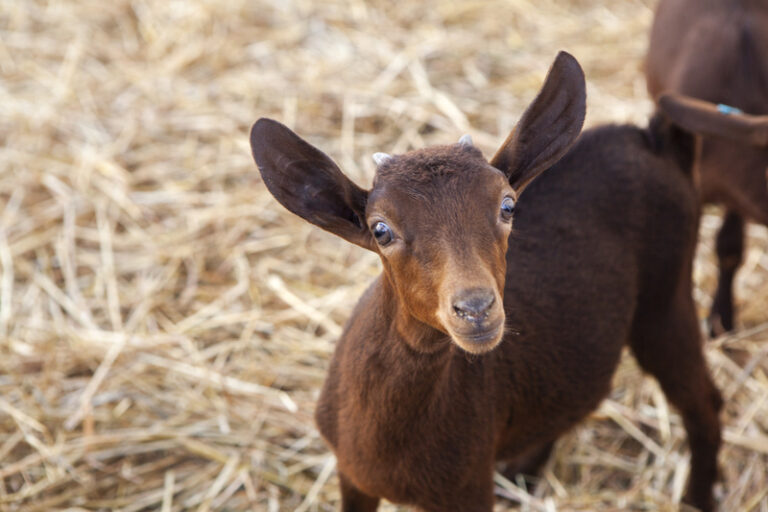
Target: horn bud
(380,158)
(465,140)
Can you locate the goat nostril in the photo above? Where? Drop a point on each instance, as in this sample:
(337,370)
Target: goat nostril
(474,305)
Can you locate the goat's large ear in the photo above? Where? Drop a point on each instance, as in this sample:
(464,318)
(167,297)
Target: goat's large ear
(307,182)
(705,118)
(549,126)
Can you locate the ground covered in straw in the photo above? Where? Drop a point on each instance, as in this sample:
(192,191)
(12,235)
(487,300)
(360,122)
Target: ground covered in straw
(165,325)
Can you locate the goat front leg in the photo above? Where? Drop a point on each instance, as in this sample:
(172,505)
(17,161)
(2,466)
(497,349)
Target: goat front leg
(355,500)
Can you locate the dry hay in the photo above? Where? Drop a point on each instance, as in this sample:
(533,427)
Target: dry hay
(166,325)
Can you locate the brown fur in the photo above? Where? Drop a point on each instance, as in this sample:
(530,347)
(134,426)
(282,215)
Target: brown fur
(717,51)
(600,257)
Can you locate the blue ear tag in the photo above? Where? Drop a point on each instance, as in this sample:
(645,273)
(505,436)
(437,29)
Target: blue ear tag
(728,110)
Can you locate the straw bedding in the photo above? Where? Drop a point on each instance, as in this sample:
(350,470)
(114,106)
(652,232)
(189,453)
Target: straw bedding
(166,325)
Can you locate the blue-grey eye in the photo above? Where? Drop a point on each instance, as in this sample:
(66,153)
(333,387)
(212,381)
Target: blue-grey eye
(382,233)
(507,208)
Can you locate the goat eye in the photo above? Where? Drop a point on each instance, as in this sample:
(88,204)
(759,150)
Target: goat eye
(507,208)
(382,233)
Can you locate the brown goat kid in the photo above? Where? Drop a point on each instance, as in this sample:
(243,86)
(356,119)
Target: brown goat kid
(479,344)
(717,51)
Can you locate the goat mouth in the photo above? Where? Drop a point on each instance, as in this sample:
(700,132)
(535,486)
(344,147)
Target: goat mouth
(479,342)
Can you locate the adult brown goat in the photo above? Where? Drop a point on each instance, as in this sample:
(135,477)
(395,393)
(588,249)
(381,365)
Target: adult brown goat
(480,344)
(717,51)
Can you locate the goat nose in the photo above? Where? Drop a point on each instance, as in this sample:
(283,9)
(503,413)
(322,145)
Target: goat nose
(474,304)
